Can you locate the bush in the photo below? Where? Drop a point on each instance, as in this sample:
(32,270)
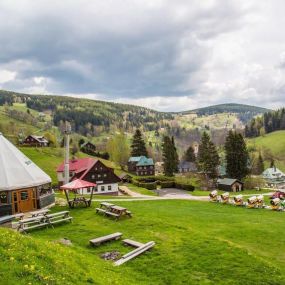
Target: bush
(167,184)
(184,186)
(147,185)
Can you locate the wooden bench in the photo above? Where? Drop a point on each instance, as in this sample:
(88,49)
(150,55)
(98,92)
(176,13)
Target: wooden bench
(31,223)
(132,243)
(117,216)
(129,213)
(100,210)
(100,240)
(58,217)
(136,252)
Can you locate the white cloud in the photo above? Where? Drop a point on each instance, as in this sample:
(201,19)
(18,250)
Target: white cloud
(7,75)
(163,54)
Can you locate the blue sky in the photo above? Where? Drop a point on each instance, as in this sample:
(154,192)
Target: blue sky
(163,54)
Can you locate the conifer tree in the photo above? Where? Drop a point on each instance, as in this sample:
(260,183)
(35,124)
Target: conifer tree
(189,154)
(259,164)
(208,157)
(170,156)
(237,156)
(138,147)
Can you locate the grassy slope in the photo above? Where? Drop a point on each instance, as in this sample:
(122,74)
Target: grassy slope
(275,143)
(196,243)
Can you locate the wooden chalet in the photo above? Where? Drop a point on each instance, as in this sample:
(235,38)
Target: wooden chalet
(141,166)
(24,186)
(88,147)
(94,171)
(125,177)
(187,167)
(231,185)
(33,140)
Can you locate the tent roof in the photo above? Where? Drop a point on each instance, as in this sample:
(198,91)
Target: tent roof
(16,170)
(77,184)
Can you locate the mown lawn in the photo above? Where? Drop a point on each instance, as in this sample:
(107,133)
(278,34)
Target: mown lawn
(196,243)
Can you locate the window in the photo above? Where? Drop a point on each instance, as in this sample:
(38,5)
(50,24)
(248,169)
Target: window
(3,198)
(144,167)
(109,187)
(105,174)
(44,190)
(93,176)
(102,188)
(24,195)
(88,190)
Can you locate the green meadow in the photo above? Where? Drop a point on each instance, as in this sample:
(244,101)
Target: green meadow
(196,243)
(272,144)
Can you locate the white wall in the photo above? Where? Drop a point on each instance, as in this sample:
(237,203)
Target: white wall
(114,188)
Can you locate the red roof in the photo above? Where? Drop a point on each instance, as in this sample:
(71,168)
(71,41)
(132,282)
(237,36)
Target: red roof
(77,184)
(78,165)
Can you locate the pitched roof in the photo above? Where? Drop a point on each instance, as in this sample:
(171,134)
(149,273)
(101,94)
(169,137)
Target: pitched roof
(40,138)
(228,181)
(86,143)
(135,158)
(188,165)
(16,170)
(144,161)
(273,173)
(78,165)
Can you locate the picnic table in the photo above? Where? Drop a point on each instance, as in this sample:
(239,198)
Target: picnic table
(39,213)
(106,205)
(79,200)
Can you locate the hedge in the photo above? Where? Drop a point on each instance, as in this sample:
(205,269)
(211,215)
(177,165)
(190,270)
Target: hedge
(183,186)
(167,184)
(148,185)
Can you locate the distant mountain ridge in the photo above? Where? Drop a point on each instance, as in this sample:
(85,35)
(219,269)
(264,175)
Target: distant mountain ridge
(227,108)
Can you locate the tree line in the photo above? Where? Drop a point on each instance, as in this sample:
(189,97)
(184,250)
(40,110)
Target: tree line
(269,122)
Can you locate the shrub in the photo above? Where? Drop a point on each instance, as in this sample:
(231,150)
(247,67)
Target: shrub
(167,184)
(184,186)
(147,185)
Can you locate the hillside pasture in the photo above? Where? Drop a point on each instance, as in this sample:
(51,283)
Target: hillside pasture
(196,243)
(271,145)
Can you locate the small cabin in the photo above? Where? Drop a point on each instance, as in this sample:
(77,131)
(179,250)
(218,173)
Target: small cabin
(33,140)
(88,147)
(230,185)
(187,167)
(125,177)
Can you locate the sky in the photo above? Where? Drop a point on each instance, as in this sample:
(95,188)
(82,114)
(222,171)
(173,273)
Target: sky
(163,54)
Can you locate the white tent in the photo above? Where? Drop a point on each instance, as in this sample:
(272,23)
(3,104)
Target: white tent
(16,170)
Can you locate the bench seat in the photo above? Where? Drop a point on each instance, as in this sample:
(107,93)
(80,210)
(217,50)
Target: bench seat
(112,214)
(132,243)
(100,210)
(98,241)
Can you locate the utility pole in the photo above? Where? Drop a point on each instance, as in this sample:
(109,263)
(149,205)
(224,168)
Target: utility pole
(67,132)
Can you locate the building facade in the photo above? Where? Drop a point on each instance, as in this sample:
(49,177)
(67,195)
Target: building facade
(141,166)
(24,187)
(32,140)
(92,170)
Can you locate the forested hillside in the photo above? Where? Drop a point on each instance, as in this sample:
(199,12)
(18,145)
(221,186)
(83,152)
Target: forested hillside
(269,122)
(23,114)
